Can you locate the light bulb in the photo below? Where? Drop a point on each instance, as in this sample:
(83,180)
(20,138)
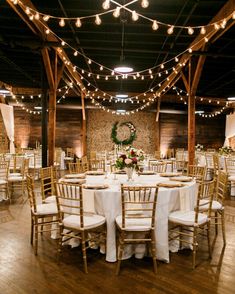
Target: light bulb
(62,22)
(89,61)
(46,17)
(47,31)
(216,26)
(78,23)
(233,16)
(135,16)
(97,20)
(31,17)
(37,16)
(144,3)
(223,24)
(116,12)
(170,30)
(206,39)
(101,68)
(190,50)
(75,53)
(155,25)
(15,2)
(203,31)
(162,65)
(190,30)
(27,10)
(106,4)
(63,43)
(176,59)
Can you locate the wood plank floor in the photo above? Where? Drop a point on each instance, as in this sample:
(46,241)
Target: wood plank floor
(21,272)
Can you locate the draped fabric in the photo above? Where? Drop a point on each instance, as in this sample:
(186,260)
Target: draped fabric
(8,119)
(230,128)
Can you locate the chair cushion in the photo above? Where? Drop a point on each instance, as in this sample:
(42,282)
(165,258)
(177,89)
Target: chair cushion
(68,158)
(231,178)
(15,179)
(134,224)
(50,199)
(47,208)
(215,205)
(3,182)
(14,174)
(187,218)
(90,221)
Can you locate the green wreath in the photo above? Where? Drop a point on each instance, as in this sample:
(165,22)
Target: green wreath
(126,141)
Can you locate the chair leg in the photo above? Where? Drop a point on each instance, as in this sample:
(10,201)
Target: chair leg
(194,246)
(216,222)
(60,241)
(223,226)
(36,236)
(32,231)
(121,248)
(84,252)
(208,239)
(153,251)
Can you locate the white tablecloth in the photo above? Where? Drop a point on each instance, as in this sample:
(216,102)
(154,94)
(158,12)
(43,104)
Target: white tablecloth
(107,202)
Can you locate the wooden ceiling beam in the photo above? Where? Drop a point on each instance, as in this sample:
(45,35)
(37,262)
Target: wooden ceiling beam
(197,74)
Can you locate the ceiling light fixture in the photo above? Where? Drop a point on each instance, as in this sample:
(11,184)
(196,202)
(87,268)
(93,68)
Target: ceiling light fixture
(123,69)
(231,98)
(121,96)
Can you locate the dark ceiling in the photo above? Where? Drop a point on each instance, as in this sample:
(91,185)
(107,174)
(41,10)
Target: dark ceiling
(143,48)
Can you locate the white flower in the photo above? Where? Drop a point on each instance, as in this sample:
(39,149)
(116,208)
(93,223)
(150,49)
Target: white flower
(128,161)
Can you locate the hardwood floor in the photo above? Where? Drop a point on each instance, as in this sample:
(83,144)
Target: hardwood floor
(21,272)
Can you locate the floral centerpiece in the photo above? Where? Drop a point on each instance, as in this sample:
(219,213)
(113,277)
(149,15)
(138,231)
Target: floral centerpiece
(225,150)
(199,147)
(130,159)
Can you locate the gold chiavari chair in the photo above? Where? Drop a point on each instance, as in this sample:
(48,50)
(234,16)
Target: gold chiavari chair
(197,172)
(75,168)
(230,170)
(158,167)
(217,207)
(85,164)
(186,225)
(4,170)
(35,164)
(170,153)
(69,156)
(48,178)
(210,169)
(43,215)
(73,218)
(18,181)
(97,165)
(138,216)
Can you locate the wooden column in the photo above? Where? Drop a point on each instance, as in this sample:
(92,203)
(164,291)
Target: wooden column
(84,130)
(44,105)
(51,72)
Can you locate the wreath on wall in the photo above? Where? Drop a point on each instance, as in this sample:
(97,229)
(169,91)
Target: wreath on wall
(126,141)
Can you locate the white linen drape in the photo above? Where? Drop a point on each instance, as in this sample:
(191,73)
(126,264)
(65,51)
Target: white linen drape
(230,128)
(8,119)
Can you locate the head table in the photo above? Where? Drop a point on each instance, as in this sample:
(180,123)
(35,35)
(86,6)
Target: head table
(107,202)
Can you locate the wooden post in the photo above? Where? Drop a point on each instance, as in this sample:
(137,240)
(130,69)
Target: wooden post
(51,126)
(44,105)
(191,121)
(84,143)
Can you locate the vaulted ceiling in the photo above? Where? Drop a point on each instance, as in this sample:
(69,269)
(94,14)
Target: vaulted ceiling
(135,42)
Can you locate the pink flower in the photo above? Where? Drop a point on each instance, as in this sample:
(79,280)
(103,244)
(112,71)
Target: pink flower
(128,161)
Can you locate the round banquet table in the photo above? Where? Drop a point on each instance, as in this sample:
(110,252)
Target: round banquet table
(107,202)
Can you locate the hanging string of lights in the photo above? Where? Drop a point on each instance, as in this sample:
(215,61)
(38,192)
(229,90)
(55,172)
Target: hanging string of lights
(33,14)
(116,13)
(203,113)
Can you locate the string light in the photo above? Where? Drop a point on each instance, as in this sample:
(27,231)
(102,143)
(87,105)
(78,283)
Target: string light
(62,22)
(155,25)
(116,12)
(97,20)
(135,15)
(190,31)
(203,31)
(144,3)
(78,23)
(170,30)
(106,4)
